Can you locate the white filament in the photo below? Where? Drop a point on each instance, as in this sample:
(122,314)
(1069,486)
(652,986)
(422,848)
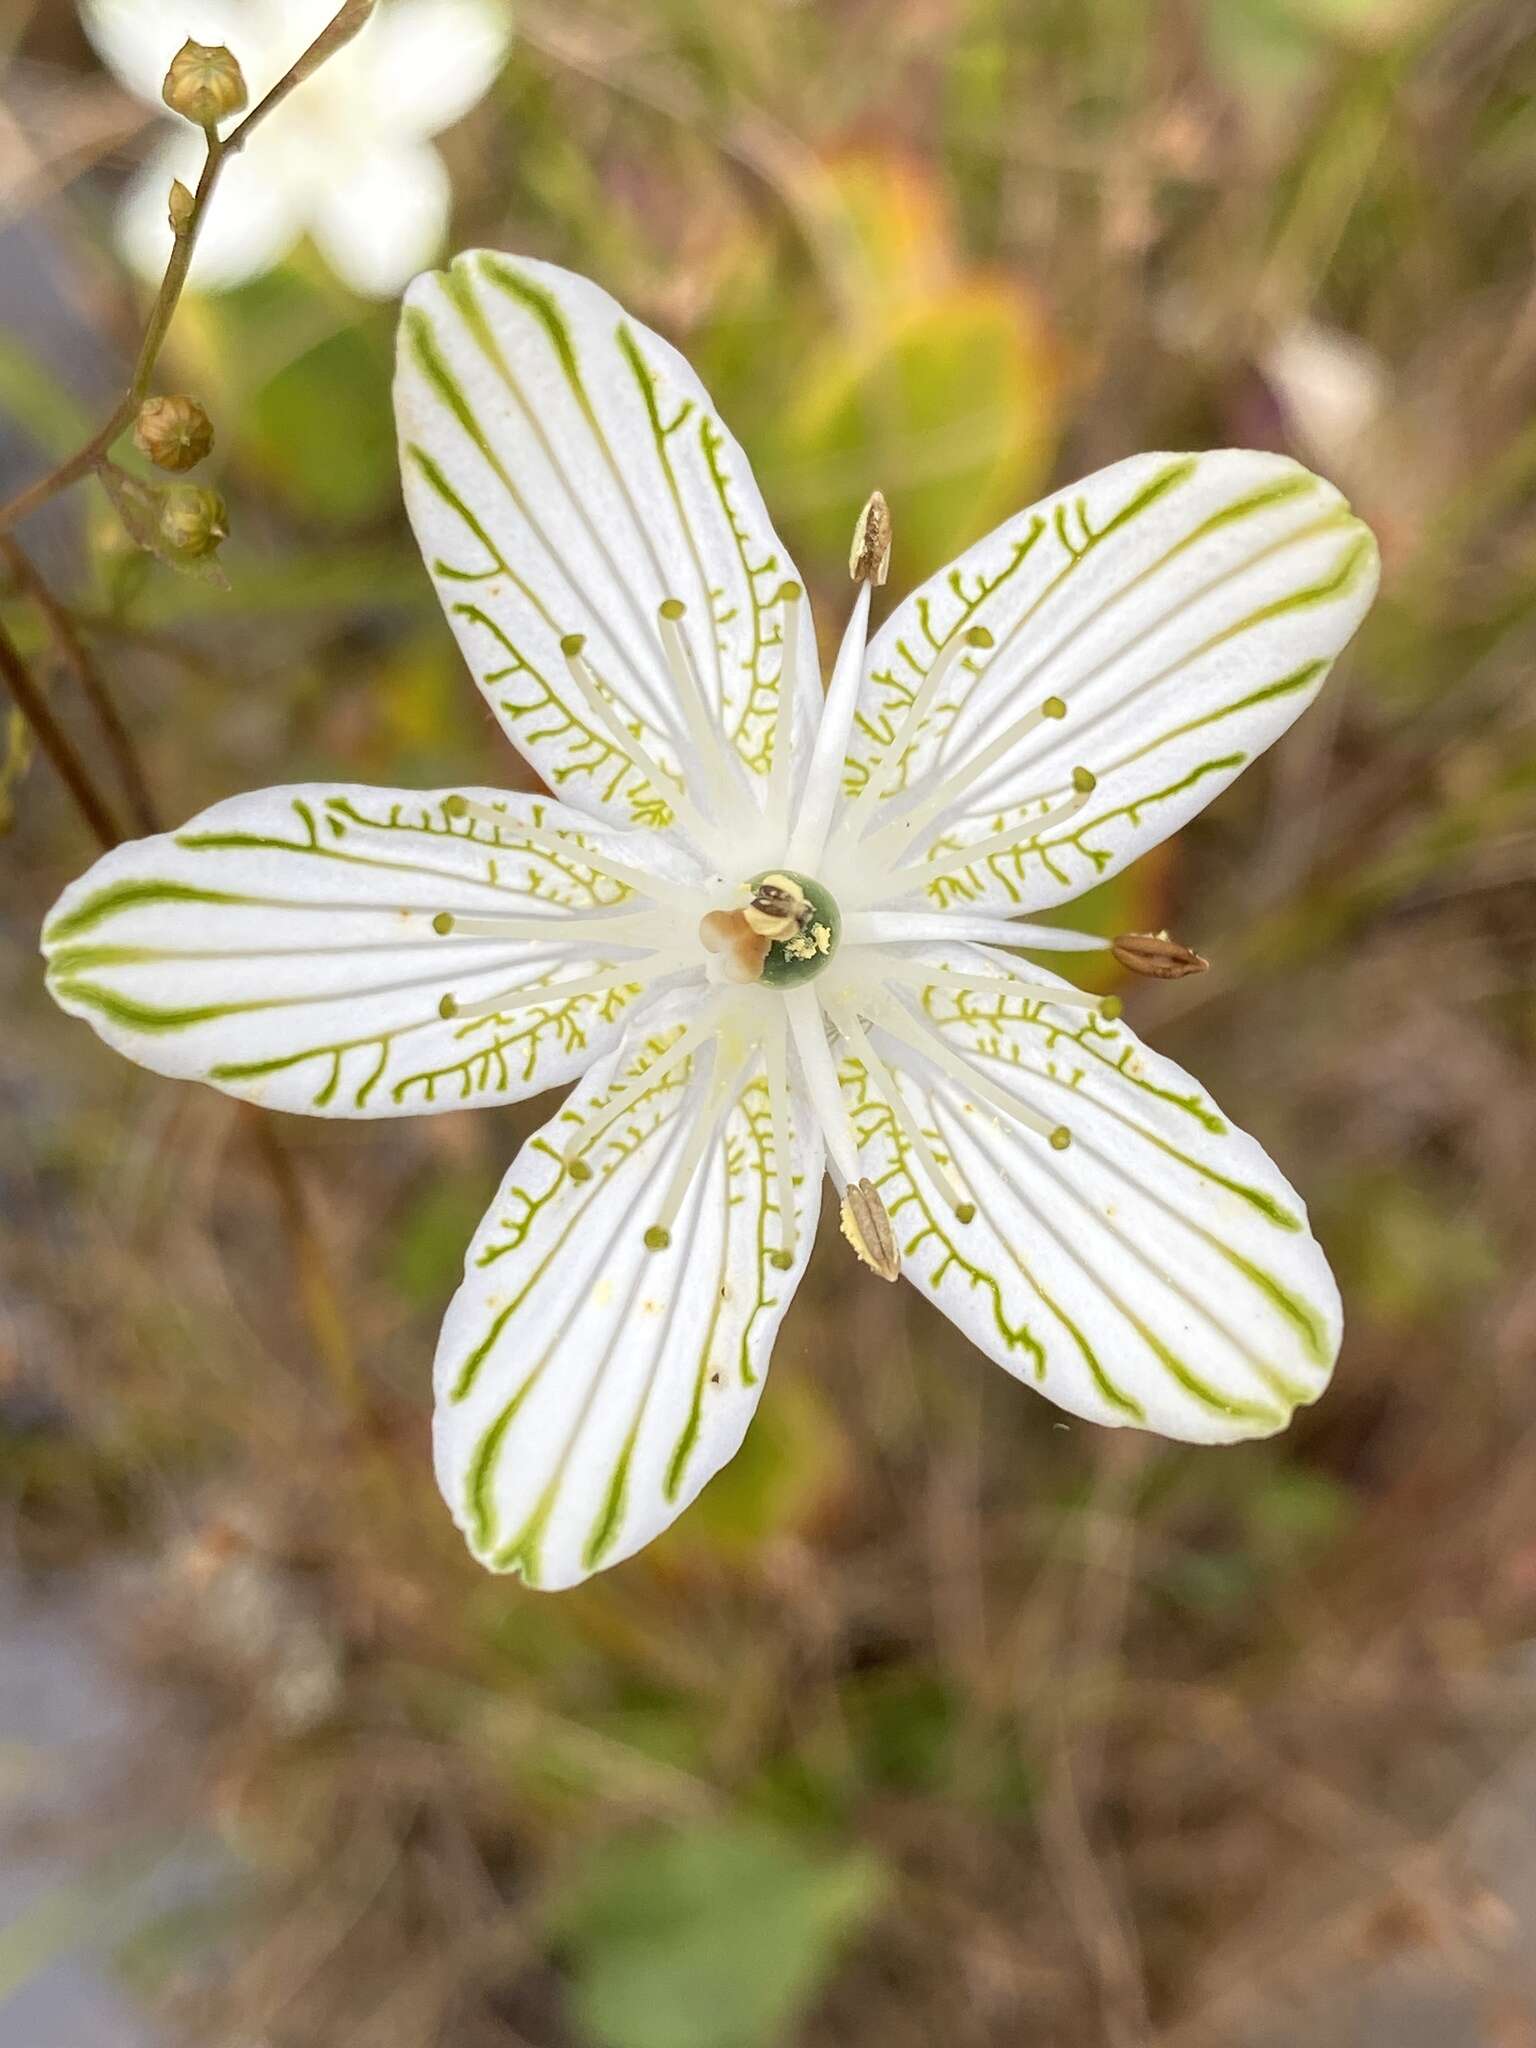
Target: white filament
(784,729)
(1023,835)
(824,779)
(525,998)
(662,780)
(680,1049)
(914,974)
(899,927)
(904,834)
(944,1179)
(722,787)
(854,818)
(571,847)
(776,1061)
(925,1041)
(821,1082)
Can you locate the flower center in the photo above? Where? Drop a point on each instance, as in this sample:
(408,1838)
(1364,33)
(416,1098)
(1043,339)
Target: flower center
(785,935)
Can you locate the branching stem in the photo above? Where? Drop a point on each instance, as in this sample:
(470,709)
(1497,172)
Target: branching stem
(89,457)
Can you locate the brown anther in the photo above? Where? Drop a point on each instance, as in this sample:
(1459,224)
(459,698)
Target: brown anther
(1156,955)
(869,560)
(867,1227)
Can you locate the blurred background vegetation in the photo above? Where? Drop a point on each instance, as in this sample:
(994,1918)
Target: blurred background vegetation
(938,1720)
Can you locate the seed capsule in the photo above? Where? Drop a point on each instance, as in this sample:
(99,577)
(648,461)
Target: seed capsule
(194,522)
(205,84)
(175,433)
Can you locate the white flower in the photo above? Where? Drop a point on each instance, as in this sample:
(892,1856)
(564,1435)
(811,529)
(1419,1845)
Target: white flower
(1069,1198)
(347,159)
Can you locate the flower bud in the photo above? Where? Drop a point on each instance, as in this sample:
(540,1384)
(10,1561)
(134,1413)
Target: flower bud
(1157,956)
(194,521)
(182,207)
(205,83)
(175,433)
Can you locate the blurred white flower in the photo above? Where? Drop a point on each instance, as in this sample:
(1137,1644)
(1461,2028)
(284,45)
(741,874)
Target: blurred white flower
(347,160)
(1332,385)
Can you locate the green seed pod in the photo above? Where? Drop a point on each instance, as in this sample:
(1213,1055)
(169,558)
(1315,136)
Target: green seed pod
(194,522)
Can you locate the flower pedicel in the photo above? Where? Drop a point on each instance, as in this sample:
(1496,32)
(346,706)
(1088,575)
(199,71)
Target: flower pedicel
(766,934)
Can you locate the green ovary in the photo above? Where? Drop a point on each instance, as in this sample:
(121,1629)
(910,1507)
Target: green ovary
(814,946)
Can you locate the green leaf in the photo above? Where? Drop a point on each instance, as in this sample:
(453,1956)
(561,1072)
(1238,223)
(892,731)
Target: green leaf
(715,1937)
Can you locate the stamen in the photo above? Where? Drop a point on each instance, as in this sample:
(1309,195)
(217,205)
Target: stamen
(914,974)
(942,667)
(776,1060)
(641,1084)
(869,559)
(824,778)
(805,1021)
(566,846)
(905,833)
(790,595)
(639,931)
(525,998)
(866,1223)
(1157,955)
(662,780)
(868,564)
(724,790)
(723,1078)
(899,927)
(925,1040)
(946,1179)
(1020,836)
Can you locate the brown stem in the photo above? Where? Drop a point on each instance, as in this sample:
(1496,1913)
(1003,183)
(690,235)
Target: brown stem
(343,27)
(317,1292)
(55,742)
(83,666)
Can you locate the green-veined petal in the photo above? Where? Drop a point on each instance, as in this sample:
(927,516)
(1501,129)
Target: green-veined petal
(587,1384)
(285,946)
(566,474)
(1170,615)
(1158,1271)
